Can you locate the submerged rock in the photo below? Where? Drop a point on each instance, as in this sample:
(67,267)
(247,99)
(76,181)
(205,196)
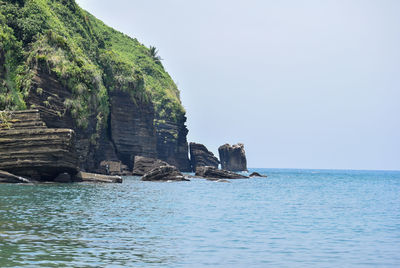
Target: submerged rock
(164,173)
(213,172)
(142,165)
(256,174)
(217,180)
(233,157)
(6,177)
(200,156)
(93,177)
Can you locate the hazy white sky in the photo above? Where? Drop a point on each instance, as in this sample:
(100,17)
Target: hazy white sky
(303,84)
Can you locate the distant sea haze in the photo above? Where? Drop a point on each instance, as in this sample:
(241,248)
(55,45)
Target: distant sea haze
(292,218)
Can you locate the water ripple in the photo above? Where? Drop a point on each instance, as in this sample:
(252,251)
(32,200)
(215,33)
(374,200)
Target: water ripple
(292,218)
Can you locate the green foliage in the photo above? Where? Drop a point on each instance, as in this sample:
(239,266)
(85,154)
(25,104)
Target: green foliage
(11,97)
(5,119)
(87,57)
(145,60)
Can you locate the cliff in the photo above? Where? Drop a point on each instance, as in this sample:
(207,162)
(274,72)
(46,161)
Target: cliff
(83,75)
(28,148)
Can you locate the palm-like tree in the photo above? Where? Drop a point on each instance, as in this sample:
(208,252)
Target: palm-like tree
(154,54)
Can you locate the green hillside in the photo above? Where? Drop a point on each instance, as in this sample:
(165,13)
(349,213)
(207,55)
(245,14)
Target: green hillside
(88,57)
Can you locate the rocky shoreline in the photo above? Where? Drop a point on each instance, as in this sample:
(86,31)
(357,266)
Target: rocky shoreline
(77,100)
(32,152)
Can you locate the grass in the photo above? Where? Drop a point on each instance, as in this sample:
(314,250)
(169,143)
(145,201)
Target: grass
(88,57)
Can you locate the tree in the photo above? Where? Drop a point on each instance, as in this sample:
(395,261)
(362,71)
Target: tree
(154,54)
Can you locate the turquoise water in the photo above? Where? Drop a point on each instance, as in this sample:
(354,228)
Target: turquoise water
(293,218)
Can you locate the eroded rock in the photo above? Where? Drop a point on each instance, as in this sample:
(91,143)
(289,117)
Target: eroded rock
(142,165)
(6,177)
(132,128)
(29,149)
(200,156)
(172,145)
(164,173)
(213,172)
(233,157)
(93,177)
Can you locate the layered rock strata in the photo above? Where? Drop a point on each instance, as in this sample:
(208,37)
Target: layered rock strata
(132,128)
(172,146)
(29,149)
(233,157)
(92,177)
(48,96)
(118,99)
(200,156)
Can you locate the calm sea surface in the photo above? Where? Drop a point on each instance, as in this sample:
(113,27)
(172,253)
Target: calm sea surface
(293,218)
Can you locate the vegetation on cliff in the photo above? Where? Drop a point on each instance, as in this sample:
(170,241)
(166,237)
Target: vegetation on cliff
(86,56)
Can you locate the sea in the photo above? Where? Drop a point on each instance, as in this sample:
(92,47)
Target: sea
(292,218)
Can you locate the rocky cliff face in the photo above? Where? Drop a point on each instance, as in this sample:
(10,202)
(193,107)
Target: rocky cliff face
(233,157)
(83,75)
(131,129)
(28,148)
(172,146)
(48,97)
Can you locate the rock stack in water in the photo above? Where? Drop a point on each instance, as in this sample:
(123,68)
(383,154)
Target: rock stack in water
(142,165)
(233,157)
(200,156)
(29,149)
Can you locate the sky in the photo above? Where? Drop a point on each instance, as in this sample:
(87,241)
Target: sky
(303,84)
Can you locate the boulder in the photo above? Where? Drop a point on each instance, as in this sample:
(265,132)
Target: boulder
(142,165)
(233,157)
(213,172)
(93,177)
(164,173)
(200,156)
(29,149)
(256,174)
(6,177)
